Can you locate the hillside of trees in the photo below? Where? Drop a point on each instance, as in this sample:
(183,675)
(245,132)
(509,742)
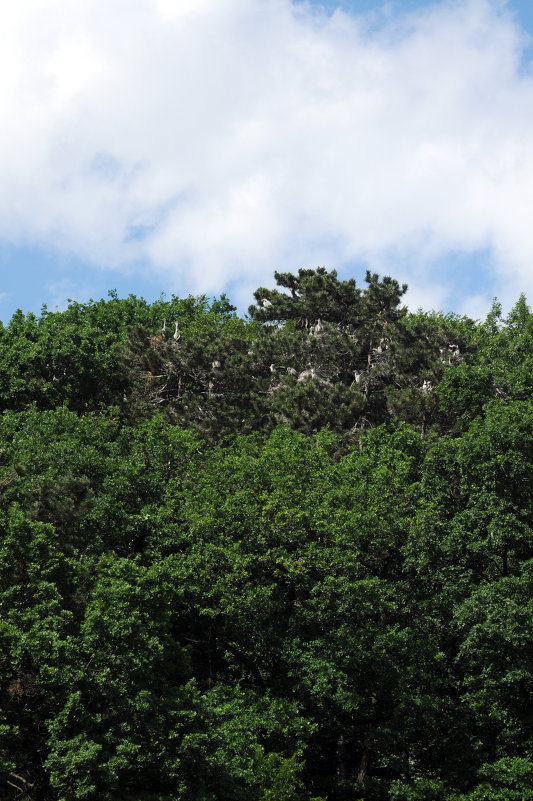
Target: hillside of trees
(285,557)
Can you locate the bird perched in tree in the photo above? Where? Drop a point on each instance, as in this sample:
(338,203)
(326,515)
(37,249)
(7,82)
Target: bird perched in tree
(158,339)
(454,350)
(291,371)
(177,333)
(309,372)
(216,365)
(273,369)
(266,303)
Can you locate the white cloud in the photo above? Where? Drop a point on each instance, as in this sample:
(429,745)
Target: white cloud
(217,140)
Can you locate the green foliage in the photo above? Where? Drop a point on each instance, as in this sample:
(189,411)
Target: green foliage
(286,557)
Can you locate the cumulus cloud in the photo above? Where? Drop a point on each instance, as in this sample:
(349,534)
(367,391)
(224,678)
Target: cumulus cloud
(213,141)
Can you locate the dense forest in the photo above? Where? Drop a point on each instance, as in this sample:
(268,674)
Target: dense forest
(279,557)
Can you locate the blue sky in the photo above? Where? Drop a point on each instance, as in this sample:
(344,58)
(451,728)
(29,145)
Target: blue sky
(198,145)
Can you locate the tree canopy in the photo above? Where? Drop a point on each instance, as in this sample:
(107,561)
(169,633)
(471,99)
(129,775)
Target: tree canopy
(279,557)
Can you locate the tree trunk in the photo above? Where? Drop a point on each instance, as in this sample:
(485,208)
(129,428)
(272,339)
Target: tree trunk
(363,765)
(342,767)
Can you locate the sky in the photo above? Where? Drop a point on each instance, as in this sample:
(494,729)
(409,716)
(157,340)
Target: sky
(195,146)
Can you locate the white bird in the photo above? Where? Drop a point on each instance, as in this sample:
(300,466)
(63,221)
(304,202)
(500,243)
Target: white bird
(266,303)
(177,333)
(310,372)
(291,371)
(273,369)
(216,365)
(454,350)
(357,376)
(426,387)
